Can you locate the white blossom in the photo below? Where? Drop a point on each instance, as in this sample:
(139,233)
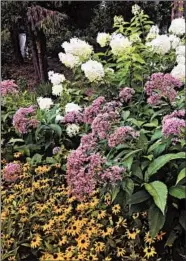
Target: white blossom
(69,60)
(177,26)
(153,33)
(56,78)
(179,72)
(175,41)
(119,43)
(44,103)
(57,89)
(59,118)
(161,44)
(72,130)
(136,9)
(180,50)
(78,48)
(72,107)
(180,59)
(93,70)
(103,39)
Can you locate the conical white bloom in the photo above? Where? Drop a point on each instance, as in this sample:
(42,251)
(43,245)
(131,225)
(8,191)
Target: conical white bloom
(78,48)
(72,107)
(103,39)
(136,9)
(69,60)
(56,78)
(72,130)
(153,33)
(57,89)
(175,41)
(179,72)
(93,70)
(119,43)
(161,44)
(44,103)
(177,26)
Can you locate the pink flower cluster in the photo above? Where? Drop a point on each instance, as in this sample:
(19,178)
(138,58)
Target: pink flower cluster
(8,87)
(173,123)
(120,135)
(11,172)
(92,111)
(161,85)
(112,174)
(126,94)
(73,117)
(23,119)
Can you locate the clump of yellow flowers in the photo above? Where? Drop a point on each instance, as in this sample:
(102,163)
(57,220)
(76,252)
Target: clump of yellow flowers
(40,217)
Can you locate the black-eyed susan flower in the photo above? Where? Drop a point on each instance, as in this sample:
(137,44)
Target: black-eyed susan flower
(132,233)
(92,257)
(83,242)
(116,209)
(17,155)
(120,252)
(99,246)
(23,210)
(148,239)
(63,241)
(149,252)
(135,215)
(121,223)
(160,235)
(101,214)
(36,241)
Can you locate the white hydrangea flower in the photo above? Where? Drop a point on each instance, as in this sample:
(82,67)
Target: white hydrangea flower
(72,130)
(177,26)
(57,89)
(179,72)
(72,107)
(153,33)
(56,78)
(175,41)
(119,43)
(93,70)
(180,50)
(69,60)
(59,118)
(180,59)
(161,44)
(136,9)
(78,48)
(103,39)
(44,103)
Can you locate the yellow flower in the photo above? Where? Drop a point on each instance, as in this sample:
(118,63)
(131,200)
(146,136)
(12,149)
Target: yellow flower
(46,257)
(4,214)
(99,246)
(101,214)
(83,242)
(149,252)
(23,210)
(107,198)
(17,154)
(71,199)
(131,234)
(69,251)
(109,231)
(116,209)
(92,257)
(57,165)
(120,252)
(57,209)
(94,202)
(24,219)
(160,235)
(36,241)
(135,215)
(121,223)
(148,238)
(9,199)
(63,241)
(36,227)
(12,258)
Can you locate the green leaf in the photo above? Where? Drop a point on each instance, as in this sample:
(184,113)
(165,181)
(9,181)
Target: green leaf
(115,192)
(128,162)
(131,153)
(156,135)
(154,123)
(159,162)
(125,114)
(156,220)
(178,191)
(181,175)
(57,129)
(139,197)
(136,171)
(37,158)
(158,190)
(128,186)
(15,140)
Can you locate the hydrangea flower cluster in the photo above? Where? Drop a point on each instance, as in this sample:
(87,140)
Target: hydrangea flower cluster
(8,87)
(78,48)
(173,123)
(177,26)
(103,39)
(56,79)
(175,41)
(73,117)
(93,70)
(23,119)
(119,43)
(72,130)
(126,94)
(120,135)
(91,111)
(72,107)
(69,60)
(44,103)
(161,44)
(161,85)
(12,172)
(179,70)
(136,9)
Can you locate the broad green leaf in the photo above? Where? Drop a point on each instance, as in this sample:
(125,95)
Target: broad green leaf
(136,171)
(128,162)
(154,123)
(159,162)
(181,175)
(156,220)
(156,135)
(131,153)
(178,191)
(158,190)
(115,192)
(125,114)
(139,197)
(57,129)
(128,186)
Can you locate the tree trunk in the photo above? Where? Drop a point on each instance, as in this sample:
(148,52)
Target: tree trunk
(14,34)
